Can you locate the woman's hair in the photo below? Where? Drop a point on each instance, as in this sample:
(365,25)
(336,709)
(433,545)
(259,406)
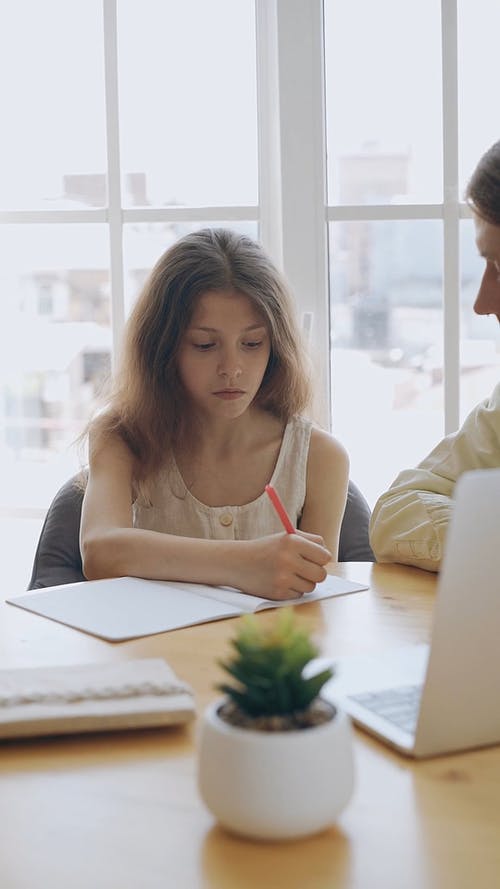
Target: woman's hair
(483,190)
(147,406)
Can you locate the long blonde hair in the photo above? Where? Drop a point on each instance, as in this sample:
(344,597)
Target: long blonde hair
(147,406)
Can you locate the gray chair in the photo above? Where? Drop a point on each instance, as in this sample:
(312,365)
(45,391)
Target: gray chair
(354,544)
(58,560)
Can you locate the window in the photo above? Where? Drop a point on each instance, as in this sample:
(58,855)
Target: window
(340,132)
(138,124)
(404,128)
(385,193)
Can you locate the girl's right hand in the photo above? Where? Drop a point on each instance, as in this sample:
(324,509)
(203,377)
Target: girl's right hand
(284,566)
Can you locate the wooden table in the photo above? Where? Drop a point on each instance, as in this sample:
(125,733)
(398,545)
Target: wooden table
(121,811)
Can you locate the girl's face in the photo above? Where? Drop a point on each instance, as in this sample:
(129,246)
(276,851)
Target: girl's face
(223,354)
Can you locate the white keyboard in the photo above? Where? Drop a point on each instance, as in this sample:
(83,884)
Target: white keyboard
(398,705)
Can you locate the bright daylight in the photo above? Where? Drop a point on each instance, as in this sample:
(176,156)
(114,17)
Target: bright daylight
(250,444)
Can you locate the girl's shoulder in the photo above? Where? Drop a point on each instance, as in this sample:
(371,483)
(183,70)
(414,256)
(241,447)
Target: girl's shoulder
(106,442)
(326,452)
(304,435)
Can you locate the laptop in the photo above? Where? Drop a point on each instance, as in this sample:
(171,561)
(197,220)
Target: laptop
(429,700)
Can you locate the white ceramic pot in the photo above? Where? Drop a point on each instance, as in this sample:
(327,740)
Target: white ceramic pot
(275,785)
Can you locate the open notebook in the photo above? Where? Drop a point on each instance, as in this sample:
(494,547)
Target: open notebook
(127,607)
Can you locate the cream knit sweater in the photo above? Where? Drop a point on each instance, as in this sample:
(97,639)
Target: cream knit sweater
(410,520)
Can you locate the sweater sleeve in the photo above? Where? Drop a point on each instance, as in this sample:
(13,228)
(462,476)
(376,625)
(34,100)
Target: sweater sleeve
(410,520)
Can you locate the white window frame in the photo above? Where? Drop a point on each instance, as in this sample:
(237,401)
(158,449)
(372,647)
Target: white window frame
(292,212)
(115,216)
(291,102)
(304,215)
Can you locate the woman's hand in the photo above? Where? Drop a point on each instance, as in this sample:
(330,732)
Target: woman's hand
(283,566)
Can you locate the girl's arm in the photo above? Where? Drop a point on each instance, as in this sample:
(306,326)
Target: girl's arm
(279,566)
(326,489)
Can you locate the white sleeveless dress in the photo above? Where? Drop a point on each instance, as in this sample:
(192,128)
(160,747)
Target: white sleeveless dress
(173,509)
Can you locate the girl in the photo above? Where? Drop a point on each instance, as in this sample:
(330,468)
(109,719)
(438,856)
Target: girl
(205,411)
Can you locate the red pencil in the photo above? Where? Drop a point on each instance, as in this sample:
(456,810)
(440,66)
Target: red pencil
(280,509)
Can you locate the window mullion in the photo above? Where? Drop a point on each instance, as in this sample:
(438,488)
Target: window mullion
(115,220)
(451,216)
(268,129)
(303,175)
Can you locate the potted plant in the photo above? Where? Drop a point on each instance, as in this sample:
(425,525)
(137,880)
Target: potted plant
(275,759)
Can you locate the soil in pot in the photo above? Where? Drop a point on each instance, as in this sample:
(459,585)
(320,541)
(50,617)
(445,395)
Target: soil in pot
(318,712)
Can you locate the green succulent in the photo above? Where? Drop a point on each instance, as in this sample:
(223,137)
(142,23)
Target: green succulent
(268,665)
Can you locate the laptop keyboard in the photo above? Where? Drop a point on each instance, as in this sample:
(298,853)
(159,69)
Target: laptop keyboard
(398,705)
